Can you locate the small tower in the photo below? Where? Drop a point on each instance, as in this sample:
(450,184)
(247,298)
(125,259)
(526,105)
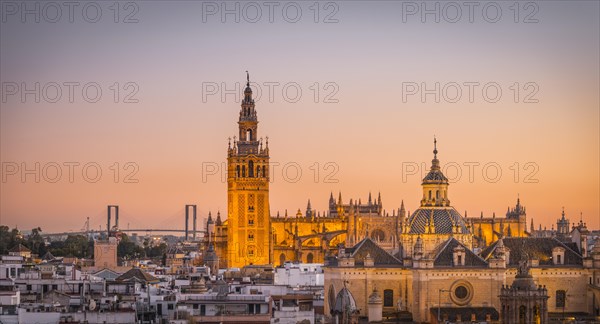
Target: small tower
(211,260)
(435,183)
(375,306)
(562,226)
(523,301)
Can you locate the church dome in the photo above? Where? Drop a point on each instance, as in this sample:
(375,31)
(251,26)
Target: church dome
(446,220)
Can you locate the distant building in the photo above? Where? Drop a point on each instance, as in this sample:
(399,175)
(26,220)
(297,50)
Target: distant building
(105,253)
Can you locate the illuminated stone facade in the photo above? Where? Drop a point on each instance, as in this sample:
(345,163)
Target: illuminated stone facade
(250,234)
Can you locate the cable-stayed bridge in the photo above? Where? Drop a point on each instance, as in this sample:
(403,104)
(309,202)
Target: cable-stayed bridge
(112,225)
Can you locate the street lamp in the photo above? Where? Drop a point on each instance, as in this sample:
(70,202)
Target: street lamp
(440,303)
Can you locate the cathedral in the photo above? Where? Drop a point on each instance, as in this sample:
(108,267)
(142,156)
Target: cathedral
(432,265)
(251,235)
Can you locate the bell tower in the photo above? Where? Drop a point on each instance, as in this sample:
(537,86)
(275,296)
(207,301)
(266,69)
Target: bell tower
(248,217)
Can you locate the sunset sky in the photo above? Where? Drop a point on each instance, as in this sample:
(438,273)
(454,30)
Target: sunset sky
(366,58)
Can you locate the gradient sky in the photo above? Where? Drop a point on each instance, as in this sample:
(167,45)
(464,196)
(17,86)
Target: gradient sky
(175,49)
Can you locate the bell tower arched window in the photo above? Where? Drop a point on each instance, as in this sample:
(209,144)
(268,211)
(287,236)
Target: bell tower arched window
(237,169)
(251,169)
(249,135)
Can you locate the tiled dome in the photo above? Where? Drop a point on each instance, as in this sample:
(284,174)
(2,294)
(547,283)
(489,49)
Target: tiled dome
(444,220)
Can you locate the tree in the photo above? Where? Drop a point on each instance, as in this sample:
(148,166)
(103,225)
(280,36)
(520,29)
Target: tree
(74,246)
(9,238)
(36,242)
(128,248)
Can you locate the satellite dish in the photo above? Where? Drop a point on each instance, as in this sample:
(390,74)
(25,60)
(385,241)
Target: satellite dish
(92,305)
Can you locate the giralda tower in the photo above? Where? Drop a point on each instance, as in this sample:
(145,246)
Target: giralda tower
(248,217)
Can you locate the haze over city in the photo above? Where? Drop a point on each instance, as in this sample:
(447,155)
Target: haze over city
(181,69)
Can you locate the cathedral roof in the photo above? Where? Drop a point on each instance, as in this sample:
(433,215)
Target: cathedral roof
(444,220)
(367,247)
(443,255)
(537,248)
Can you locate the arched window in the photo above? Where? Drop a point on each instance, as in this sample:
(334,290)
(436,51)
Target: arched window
(251,169)
(388,298)
(258,171)
(243,171)
(309,258)
(429,194)
(281,259)
(437,194)
(264,172)
(237,169)
(249,135)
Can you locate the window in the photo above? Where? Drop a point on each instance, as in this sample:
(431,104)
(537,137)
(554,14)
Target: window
(561,296)
(251,169)
(249,135)
(309,258)
(250,221)
(237,171)
(460,260)
(251,251)
(437,194)
(281,259)
(251,237)
(429,194)
(170,306)
(243,171)
(461,292)
(388,298)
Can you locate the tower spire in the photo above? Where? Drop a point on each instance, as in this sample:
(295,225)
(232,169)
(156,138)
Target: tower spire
(435,151)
